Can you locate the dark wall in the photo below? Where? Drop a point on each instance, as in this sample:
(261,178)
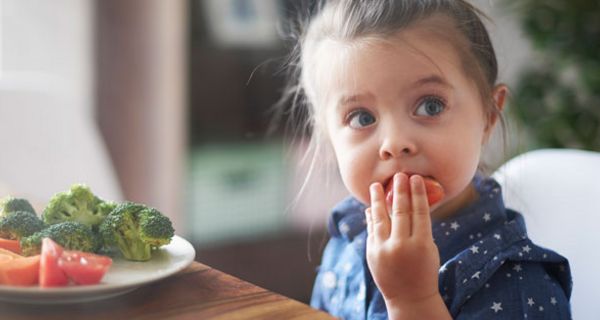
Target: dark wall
(231,90)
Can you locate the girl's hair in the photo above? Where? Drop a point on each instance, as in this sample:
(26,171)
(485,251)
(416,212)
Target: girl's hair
(346,21)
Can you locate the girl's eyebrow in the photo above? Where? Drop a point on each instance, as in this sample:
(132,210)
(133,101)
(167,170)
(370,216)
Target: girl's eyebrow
(433,79)
(344,100)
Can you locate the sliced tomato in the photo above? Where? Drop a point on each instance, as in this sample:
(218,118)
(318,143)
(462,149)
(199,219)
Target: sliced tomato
(434,190)
(50,274)
(23,271)
(12,245)
(7,254)
(84,267)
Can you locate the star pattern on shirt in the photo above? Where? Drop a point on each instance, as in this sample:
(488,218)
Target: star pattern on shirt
(517,267)
(347,267)
(329,280)
(496,306)
(362,289)
(487,217)
(480,236)
(442,269)
(344,228)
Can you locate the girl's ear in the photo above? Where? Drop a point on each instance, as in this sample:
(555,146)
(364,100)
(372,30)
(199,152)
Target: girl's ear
(499,96)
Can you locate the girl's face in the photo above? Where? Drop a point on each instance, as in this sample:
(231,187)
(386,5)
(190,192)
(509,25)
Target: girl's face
(404,105)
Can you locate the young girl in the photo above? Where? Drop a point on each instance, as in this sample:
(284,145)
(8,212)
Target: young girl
(404,93)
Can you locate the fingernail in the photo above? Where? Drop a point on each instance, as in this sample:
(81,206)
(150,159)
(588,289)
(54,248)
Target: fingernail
(397,181)
(373,188)
(415,179)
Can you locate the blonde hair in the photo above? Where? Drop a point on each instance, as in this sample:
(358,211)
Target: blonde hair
(351,20)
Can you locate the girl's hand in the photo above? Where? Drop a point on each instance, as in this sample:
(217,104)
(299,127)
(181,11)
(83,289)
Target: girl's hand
(401,254)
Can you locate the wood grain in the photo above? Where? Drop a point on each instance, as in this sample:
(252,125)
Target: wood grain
(198,292)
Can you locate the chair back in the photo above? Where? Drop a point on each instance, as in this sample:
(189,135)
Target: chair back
(558,193)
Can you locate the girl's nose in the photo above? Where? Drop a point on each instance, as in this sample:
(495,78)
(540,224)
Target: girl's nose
(396,146)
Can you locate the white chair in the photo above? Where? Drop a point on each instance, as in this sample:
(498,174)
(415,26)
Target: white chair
(558,192)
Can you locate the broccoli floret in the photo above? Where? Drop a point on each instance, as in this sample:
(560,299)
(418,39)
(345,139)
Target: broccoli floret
(70,234)
(19,224)
(10,204)
(106,207)
(77,204)
(136,230)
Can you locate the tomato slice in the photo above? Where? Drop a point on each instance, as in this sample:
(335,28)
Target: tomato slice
(84,267)
(22,271)
(50,274)
(6,254)
(435,191)
(12,245)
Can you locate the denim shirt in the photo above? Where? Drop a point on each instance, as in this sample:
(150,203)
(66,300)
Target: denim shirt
(489,269)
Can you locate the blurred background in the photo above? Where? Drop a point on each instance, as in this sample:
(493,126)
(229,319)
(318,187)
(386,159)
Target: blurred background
(167,103)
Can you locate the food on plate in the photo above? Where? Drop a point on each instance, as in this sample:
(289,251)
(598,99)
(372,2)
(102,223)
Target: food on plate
(59,267)
(18,270)
(7,254)
(10,204)
(83,267)
(136,230)
(71,235)
(50,274)
(10,245)
(54,267)
(61,246)
(16,225)
(19,224)
(77,204)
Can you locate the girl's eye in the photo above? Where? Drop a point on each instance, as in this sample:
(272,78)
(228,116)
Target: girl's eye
(360,119)
(430,107)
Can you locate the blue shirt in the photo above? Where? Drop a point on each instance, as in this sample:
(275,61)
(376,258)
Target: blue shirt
(490,269)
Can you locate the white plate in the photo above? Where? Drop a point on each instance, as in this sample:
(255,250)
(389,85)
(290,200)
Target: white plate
(122,277)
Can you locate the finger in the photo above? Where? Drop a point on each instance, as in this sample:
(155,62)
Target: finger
(369,219)
(401,217)
(421,226)
(379,215)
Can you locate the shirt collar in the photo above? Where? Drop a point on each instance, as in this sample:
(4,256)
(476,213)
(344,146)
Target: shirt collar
(473,222)
(347,219)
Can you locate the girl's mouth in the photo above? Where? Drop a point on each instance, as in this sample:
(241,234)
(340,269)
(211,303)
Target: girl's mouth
(435,191)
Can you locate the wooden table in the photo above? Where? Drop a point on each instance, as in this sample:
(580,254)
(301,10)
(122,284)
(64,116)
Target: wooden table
(198,292)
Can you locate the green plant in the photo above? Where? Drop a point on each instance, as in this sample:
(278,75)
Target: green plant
(557,98)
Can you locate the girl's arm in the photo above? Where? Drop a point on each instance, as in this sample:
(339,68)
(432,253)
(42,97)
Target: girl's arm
(401,254)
